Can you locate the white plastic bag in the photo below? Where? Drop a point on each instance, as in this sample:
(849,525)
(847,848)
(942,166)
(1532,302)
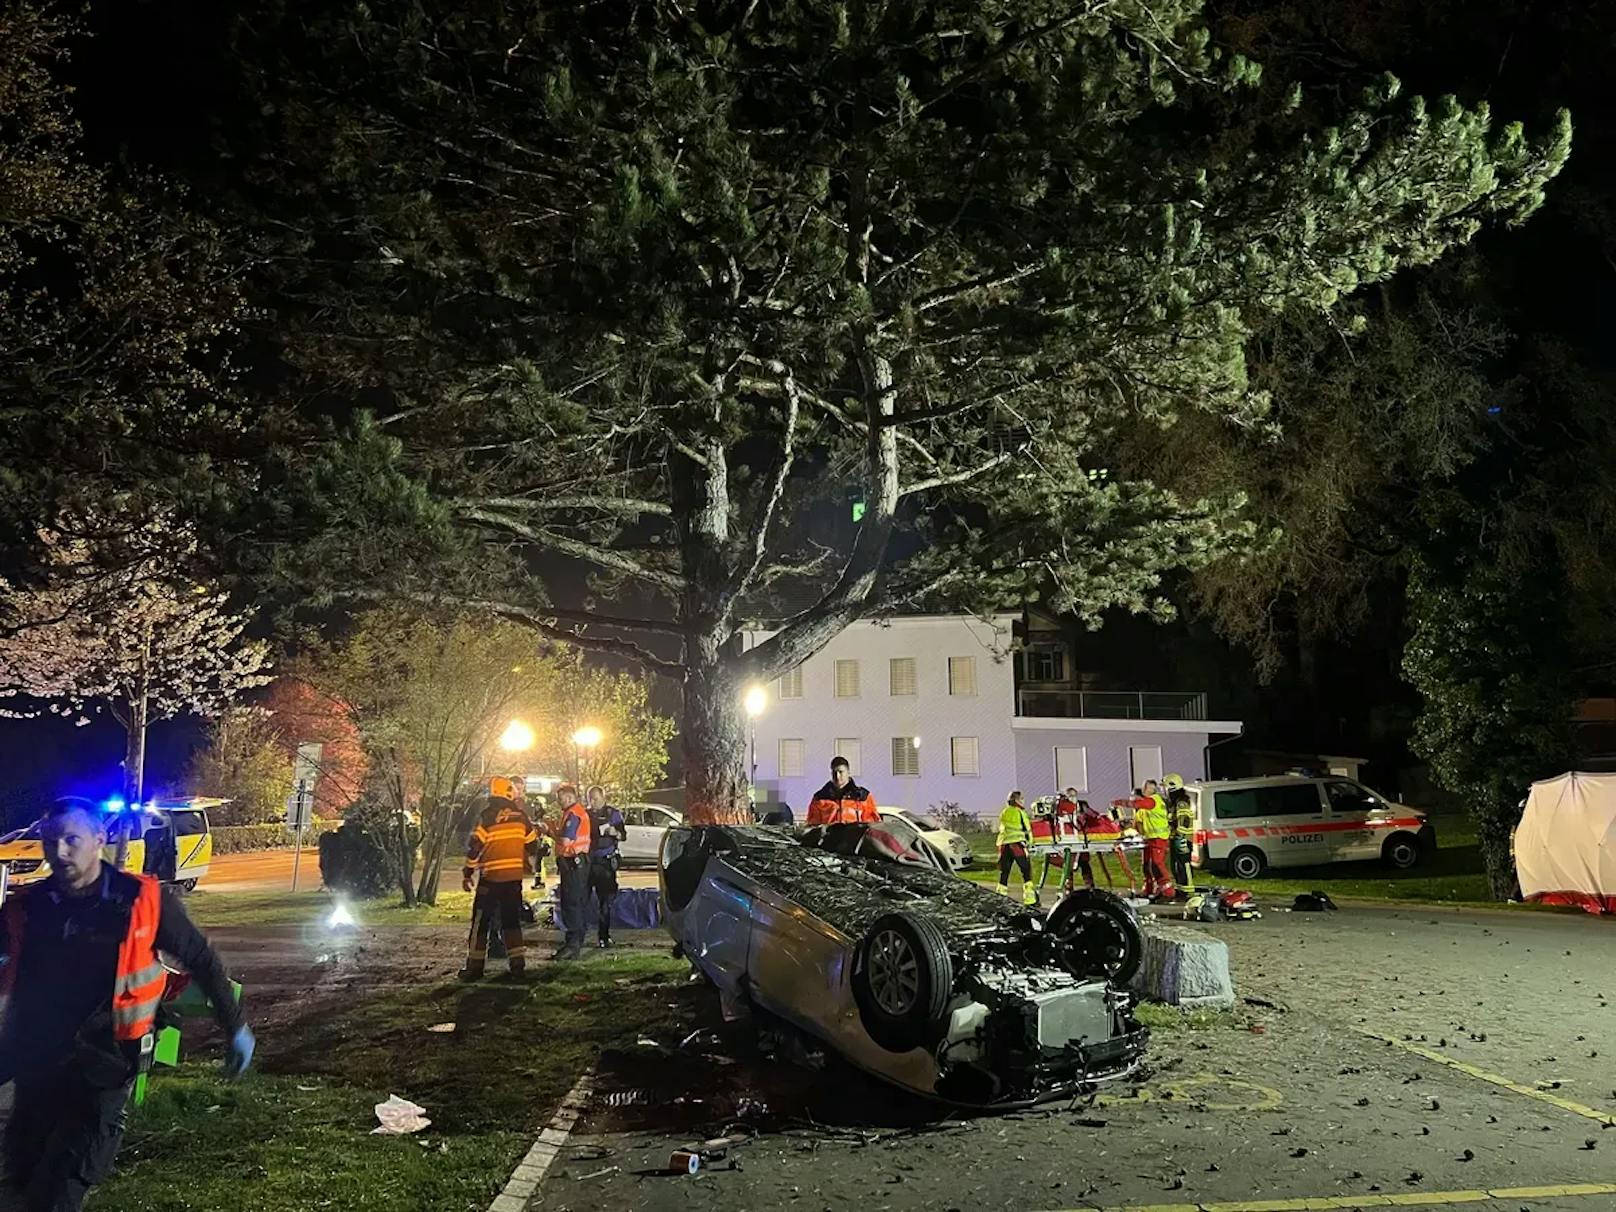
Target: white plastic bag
(399,1117)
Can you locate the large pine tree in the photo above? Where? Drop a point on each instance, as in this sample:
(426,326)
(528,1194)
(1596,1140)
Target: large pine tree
(666,293)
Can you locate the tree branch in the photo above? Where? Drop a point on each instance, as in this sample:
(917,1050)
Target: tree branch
(757,541)
(627,505)
(958,477)
(602,556)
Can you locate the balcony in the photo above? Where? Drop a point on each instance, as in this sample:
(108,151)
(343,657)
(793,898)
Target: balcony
(1112,704)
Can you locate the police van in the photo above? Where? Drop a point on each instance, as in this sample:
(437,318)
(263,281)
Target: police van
(1245,826)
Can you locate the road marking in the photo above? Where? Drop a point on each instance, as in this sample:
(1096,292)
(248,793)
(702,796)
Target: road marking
(1402,1199)
(1542,1096)
(1193,1090)
(530,1171)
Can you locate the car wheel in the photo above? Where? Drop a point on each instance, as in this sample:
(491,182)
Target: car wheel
(1402,850)
(902,979)
(1097,935)
(1247,863)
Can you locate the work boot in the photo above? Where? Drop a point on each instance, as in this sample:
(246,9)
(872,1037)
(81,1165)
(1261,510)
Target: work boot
(1029,896)
(1004,889)
(567,953)
(604,943)
(471,972)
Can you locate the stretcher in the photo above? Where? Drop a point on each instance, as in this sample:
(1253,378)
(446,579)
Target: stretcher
(1060,841)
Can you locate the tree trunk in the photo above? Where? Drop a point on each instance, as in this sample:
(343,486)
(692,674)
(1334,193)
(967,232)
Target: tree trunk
(1493,830)
(713,742)
(134,764)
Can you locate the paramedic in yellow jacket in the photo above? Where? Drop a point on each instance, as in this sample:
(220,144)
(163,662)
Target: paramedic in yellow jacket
(1151,819)
(1015,836)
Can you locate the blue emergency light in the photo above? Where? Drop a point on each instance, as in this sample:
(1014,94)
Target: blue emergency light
(115,804)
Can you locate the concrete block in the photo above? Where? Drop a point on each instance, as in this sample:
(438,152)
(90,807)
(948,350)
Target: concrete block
(1184,968)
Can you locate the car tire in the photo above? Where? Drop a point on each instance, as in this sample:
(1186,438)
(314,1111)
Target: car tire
(902,981)
(1402,851)
(1098,934)
(1247,863)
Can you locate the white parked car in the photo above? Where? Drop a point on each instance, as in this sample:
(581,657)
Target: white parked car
(646,826)
(952,846)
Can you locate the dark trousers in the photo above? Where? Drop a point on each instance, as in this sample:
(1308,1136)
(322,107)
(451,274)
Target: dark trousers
(1014,856)
(497,905)
(574,896)
(1183,872)
(61,1140)
(603,883)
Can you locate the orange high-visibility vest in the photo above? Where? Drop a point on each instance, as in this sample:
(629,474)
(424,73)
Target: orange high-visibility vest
(579,844)
(138,985)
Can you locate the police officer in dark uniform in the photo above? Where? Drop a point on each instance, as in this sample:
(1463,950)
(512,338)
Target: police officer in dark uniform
(606,829)
(84,982)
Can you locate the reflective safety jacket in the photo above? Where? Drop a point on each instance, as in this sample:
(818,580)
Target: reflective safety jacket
(1150,818)
(833,805)
(575,832)
(504,846)
(1183,813)
(81,979)
(1015,829)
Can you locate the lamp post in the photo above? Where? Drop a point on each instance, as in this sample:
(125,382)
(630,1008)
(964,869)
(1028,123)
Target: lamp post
(755,700)
(587,737)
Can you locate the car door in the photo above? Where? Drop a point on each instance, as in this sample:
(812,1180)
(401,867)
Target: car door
(1295,822)
(657,823)
(1356,816)
(635,846)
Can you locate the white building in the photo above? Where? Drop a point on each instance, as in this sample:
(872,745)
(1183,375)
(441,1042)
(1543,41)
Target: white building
(925,709)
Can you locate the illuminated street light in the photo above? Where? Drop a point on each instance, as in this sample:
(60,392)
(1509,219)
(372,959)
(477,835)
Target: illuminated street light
(756,700)
(516,737)
(587,737)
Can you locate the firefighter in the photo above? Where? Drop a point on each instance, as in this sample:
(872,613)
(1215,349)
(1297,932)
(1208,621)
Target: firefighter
(504,847)
(1150,818)
(606,829)
(82,979)
(573,840)
(1015,836)
(1182,820)
(841,801)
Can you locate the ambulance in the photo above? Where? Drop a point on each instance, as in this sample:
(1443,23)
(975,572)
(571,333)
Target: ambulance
(1245,826)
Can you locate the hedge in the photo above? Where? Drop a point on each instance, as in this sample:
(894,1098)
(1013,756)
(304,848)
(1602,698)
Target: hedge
(237,839)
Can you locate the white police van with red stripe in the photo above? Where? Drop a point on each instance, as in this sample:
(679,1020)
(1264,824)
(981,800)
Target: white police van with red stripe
(1245,826)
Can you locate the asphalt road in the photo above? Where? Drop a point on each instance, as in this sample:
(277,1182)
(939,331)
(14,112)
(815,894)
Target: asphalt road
(1494,1093)
(271,870)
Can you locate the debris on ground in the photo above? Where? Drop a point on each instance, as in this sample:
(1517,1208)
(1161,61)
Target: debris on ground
(441,1028)
(399,1117)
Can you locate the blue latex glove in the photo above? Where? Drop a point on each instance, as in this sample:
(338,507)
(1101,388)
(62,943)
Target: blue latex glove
(242,1044)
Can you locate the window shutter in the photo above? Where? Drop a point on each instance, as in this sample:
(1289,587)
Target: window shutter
(962,675)
(791,754)
(901,679)
(905,755)
(849,748)
(965,755)
(847,679)
(791,684)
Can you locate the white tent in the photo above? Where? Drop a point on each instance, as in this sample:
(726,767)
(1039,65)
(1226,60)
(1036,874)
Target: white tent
(1565,848)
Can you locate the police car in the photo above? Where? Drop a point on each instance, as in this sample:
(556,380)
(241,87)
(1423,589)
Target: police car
(1245,826)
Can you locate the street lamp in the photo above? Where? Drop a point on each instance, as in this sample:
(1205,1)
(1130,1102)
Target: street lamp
(516,738)
(755,700)
(586,737)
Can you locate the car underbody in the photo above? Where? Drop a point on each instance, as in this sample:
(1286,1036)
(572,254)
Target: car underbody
(922,978)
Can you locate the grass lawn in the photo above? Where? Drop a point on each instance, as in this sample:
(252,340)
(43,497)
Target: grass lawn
(295,1134)
(281,908)
(1453,875)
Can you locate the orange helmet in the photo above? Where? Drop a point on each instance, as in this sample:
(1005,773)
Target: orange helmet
(503,789)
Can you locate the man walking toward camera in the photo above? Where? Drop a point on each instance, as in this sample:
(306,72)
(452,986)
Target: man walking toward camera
(83,984)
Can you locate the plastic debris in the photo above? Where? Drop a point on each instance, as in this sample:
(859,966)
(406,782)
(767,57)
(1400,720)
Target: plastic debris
(441,1028)
(399,1117)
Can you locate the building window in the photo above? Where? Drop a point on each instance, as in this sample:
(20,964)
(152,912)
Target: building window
(962,676)
(847,679)
(792,749)
(1071,768)
(791,684)
(1044,663)
(901,676)
(906,755)
(849,748)
(965,756)
(1144,763)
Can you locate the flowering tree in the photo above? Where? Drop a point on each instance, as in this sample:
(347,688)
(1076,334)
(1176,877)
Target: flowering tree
(299,712)
(133,635)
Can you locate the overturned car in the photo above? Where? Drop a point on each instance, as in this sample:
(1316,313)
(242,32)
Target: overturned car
(858,935)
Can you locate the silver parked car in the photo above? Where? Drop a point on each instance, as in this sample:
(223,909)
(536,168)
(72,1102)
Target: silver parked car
(645,825)
(859,935)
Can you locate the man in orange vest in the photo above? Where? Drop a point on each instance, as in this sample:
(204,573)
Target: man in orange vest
(504,847)
(572,860)
(83,981)
(841,801)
